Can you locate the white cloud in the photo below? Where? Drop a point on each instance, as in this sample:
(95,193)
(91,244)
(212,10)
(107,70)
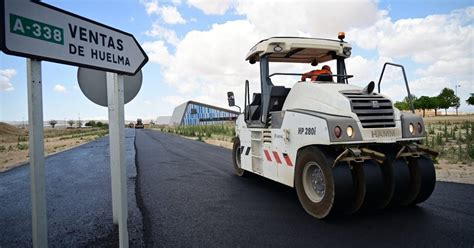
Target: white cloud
(174,100)
(211,7)
(207,64)
(314,18)
(60,88)
(5,79)
(157,52)
(441,44)
(171,15)
(425,40)
(456,69)
(151,6)
(176,2)
(158,31)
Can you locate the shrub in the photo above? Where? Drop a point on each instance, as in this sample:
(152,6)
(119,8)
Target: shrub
(22,146)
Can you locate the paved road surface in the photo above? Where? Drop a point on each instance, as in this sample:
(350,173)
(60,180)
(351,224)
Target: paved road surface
(190,197)
(78,196)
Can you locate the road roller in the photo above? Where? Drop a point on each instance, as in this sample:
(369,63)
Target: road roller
(343,147)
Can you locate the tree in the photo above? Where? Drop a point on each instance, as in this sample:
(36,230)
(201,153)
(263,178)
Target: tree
(424,103)
(79,123)
(405,104)
(413,101)
(53,123)
(470,100)
(90,124)
(435,102)
(447,99)
(402,105)
(70,122)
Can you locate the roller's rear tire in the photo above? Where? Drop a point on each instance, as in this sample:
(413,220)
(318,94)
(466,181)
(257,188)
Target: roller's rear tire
(317,189)
(236,158)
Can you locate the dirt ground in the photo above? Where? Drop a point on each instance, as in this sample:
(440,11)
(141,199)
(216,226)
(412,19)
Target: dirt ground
(449,118)
(14,149)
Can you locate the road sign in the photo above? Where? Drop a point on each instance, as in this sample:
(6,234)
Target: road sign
(41,31)
(93,84)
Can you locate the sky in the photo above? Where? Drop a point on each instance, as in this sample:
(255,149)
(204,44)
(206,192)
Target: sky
(197,50)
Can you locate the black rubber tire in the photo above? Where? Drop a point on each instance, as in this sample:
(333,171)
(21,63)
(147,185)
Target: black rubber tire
(396,181)
(425,171)
(368,184)
(359,188)
(422,180)
(374,184)
(236,156)
(342,185)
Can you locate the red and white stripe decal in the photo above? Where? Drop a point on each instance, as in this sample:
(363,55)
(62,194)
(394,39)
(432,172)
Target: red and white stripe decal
(276,155)
(267,155)
(277,158)
(287,159)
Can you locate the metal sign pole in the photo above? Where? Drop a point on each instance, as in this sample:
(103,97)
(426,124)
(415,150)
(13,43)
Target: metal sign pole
(115,97)
(36,143)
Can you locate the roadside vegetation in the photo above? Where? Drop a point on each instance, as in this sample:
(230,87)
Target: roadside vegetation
(454,140)
(14,147)
(223,132)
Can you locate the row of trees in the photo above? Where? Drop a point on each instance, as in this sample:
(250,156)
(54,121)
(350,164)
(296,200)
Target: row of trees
(79,123)
(446,99)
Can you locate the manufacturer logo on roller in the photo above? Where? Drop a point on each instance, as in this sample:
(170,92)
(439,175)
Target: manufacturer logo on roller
(375,104)
(383,133)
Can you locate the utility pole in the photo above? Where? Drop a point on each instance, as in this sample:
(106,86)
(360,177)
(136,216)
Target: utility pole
(456,91)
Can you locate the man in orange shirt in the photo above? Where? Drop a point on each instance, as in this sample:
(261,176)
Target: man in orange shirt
(319,75)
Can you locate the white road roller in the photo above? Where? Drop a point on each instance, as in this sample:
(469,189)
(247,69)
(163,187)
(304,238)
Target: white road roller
(344,148)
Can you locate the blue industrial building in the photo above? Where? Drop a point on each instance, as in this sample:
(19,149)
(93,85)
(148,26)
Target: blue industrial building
(196,113)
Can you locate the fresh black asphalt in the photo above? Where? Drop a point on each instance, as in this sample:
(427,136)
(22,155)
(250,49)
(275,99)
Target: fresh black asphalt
(190,197)
(78,199)
(186,195)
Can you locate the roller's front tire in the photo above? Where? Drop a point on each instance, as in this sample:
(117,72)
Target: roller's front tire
(318,190)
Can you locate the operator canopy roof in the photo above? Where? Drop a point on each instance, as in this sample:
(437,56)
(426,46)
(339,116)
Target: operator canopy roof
(299,50)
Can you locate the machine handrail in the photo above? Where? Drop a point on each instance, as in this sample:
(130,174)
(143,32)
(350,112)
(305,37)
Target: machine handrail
(301,74)
(406,82)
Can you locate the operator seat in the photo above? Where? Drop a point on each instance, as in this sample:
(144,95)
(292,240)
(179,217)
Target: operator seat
(254,107)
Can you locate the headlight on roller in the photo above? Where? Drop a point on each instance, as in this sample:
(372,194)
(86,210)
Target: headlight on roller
(350,131)
(411,128)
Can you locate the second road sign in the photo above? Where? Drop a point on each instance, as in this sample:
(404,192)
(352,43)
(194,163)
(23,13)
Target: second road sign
(38,30)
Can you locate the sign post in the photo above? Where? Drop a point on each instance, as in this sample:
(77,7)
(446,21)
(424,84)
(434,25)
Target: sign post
(39,31)
(36,139)
(115,98)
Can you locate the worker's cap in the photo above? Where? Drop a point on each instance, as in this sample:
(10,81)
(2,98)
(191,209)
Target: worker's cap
(326,67)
